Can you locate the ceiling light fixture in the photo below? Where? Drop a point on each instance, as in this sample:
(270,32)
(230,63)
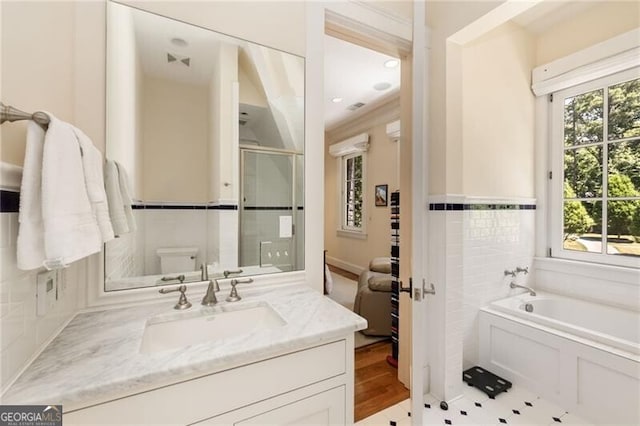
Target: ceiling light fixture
(180,42)
(383,85)
(391,63)
(336,100)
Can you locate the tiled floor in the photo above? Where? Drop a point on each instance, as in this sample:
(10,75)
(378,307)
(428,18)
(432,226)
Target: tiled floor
(515,407)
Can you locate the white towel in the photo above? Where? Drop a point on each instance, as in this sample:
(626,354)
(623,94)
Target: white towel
(119,196)
(30,244)
(114,196)
(94,181)
(125,190)
(71,231)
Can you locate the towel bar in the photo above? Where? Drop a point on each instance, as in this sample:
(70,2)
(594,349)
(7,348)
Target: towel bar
(9,113)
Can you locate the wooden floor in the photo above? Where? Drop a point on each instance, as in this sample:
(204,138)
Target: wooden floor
(376,382)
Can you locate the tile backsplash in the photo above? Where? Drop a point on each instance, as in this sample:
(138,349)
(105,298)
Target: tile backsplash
(23,333)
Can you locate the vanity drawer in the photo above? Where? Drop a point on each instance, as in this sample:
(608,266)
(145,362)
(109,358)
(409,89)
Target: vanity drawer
(204,397)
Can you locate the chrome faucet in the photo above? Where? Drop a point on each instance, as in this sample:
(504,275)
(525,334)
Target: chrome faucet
(209,298)
(529,289)
(233,296)
(183,303)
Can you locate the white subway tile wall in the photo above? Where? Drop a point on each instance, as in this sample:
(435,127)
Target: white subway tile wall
(493,240)
(22,332)
(173,228)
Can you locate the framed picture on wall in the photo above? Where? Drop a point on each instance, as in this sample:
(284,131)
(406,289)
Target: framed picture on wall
(381,195)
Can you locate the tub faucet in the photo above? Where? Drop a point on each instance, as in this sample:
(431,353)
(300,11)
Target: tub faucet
(508,272)
(529,289)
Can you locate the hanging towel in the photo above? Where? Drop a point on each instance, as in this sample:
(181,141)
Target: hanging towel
(114,197)
(71,231)
(94,181)
(125,190)
(30,244)
(119,196)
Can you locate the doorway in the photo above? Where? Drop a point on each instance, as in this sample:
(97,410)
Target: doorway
(359,180)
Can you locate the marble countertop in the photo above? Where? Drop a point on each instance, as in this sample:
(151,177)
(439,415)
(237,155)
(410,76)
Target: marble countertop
(97,356)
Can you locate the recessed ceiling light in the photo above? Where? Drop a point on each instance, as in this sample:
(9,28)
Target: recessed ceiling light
(391,63)
(336,100)
(383,85)
(177,41)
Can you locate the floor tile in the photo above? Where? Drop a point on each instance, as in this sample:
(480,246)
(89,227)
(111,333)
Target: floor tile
(378,419)
(516,397)
(474,394)
(397,412)
(572,419)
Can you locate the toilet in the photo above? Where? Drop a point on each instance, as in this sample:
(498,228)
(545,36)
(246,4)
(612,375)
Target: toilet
(177,259)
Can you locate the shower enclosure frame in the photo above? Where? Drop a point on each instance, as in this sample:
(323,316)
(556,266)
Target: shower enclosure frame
(293,155)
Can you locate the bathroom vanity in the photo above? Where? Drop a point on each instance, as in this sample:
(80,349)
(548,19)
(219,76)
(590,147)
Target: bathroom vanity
(279,356)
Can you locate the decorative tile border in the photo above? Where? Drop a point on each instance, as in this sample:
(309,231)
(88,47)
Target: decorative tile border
(9,201)
(271,208)
(461,206)
(141,206)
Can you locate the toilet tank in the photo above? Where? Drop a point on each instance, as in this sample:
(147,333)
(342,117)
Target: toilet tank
(177,259)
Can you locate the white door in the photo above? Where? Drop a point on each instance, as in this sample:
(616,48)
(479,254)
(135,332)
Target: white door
(421,288)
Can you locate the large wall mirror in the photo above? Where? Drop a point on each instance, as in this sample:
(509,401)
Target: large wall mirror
(206,134)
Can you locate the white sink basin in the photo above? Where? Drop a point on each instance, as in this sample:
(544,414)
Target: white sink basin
(187,328)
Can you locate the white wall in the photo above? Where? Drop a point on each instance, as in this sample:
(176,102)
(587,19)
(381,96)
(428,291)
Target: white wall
(175,162)
(34,77)
(603,21)
(124,104)
(381,168)
(498,114)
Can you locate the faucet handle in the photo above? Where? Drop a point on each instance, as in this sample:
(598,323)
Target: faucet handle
(522,269)
(226,272)
(508,272)
(177,277)
(183,303)
(234,296)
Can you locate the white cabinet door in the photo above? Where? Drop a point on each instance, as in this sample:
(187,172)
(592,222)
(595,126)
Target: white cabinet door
(324,408)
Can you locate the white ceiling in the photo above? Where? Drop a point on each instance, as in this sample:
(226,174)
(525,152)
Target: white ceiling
(547,14)
(153,41)
(350,72)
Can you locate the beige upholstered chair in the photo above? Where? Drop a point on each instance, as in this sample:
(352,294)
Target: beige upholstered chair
(373,299)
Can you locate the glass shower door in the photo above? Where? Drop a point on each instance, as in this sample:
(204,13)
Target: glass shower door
(268,209)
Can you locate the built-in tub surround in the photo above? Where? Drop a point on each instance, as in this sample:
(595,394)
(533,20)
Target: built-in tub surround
(581,355)
(97,356)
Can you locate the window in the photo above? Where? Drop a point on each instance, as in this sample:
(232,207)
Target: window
(351,155)
(596,147)
(352,192)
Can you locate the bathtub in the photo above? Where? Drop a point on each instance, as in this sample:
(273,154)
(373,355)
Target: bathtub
(618,328)
(581,355)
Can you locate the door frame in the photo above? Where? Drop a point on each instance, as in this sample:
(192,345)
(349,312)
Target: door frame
(352,22)
(243,149)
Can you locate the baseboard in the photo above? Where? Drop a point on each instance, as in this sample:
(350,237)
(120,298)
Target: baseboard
(355,269)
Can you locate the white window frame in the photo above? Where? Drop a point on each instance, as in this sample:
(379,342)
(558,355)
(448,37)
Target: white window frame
(556,153)
(344,229)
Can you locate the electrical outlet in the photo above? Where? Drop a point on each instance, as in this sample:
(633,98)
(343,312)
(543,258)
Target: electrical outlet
(47,291)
